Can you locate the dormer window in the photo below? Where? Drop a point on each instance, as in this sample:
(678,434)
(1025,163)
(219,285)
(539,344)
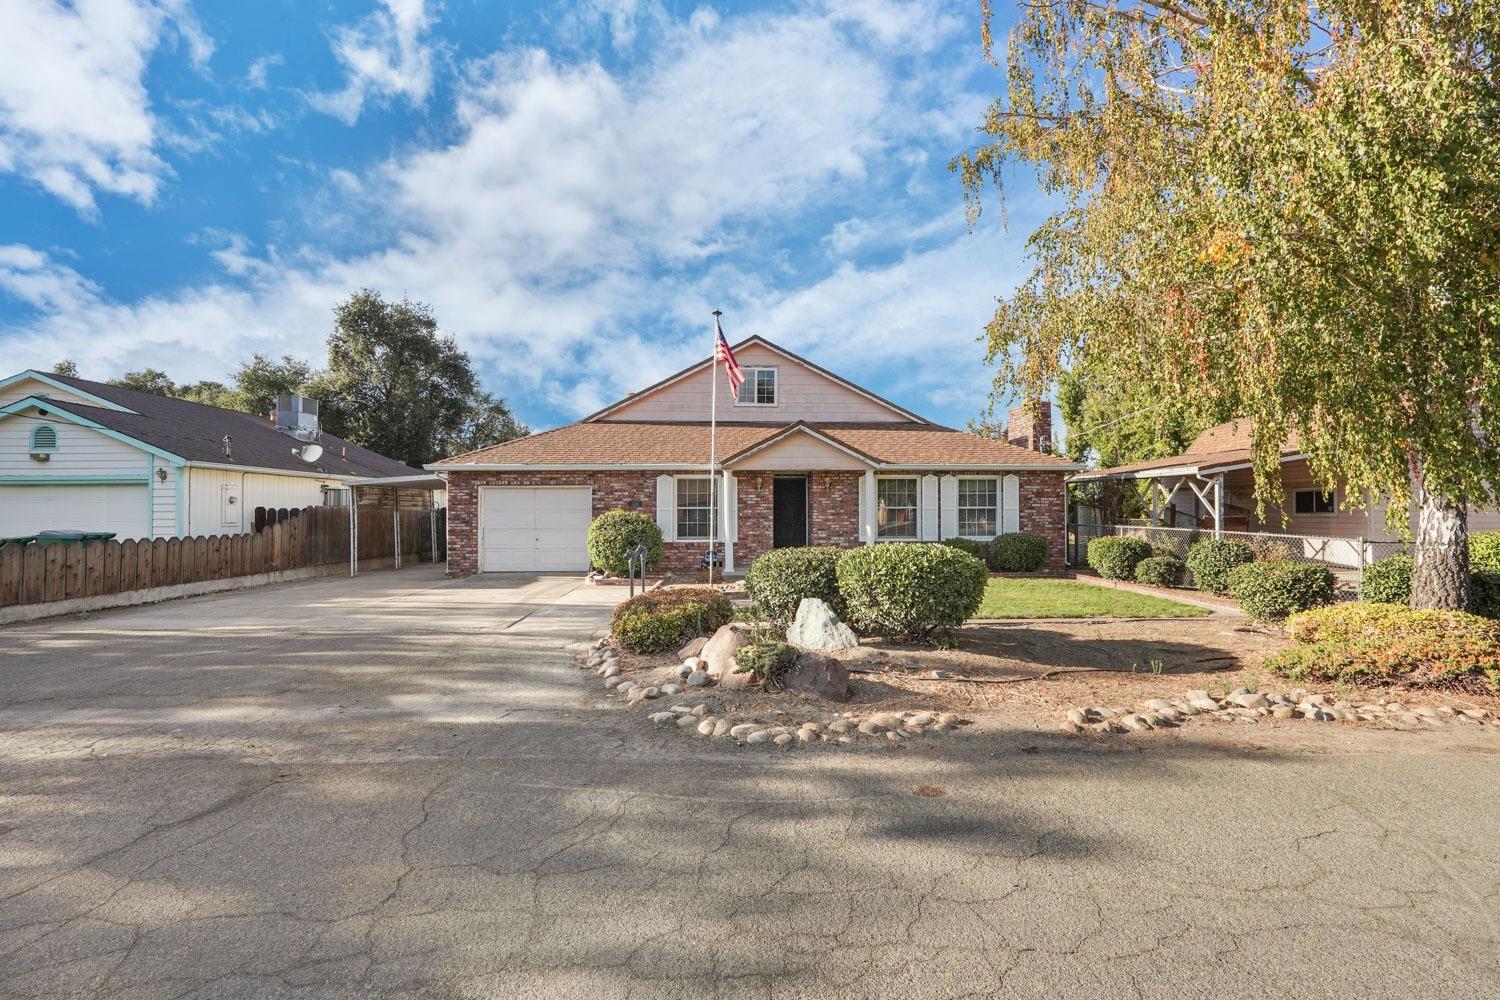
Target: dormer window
(43,442)
(759,388)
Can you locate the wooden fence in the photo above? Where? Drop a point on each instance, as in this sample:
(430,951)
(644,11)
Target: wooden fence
(313,536)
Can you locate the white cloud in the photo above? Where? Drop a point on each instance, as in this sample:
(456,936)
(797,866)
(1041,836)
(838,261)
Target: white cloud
(75,116)
(578,227)
(257,76)
(386,54)
(34,278)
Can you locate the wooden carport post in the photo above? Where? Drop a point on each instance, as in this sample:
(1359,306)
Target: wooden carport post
(353,531)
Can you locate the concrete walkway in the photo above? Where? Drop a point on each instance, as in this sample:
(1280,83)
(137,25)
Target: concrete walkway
(399,786)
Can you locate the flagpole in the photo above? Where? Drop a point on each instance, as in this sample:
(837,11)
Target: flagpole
(713,447)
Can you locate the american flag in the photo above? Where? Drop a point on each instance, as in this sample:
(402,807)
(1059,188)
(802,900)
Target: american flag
(732,369)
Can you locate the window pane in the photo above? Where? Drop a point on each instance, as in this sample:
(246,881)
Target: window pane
(747,389)
(976,507)
(693,495)
(765,392)
(897,516)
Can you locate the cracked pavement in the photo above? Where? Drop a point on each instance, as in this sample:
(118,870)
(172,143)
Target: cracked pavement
(401,787)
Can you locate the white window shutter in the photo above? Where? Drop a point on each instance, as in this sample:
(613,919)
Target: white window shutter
(864,512)
(731,508)
(948,507)
(1010,504)
(666,507)
(927,509)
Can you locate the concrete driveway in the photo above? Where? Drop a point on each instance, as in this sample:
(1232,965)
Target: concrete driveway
(400,786)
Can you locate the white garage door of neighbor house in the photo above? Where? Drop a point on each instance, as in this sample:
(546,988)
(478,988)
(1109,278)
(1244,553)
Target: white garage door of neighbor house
(25,510)
(523,528)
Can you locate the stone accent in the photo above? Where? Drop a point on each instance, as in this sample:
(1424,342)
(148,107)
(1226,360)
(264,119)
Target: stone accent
(818,628)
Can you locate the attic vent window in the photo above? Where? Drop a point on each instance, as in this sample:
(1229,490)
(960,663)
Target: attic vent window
(43,442)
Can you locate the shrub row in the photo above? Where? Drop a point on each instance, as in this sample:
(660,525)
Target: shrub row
(779,580)
(1389,580)
(1364,643)
(1270,591)
(903,591)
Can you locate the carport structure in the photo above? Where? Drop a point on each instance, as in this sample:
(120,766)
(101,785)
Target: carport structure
(401,493)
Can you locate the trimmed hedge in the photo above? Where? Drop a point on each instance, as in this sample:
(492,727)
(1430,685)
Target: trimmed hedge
(1115,558)
(1365,643)
(1484,594)
(1018,552)
(1271,591)
(779,580)
(766,661)
(614,531)
(1484,552)
(976,549)
(1213,559)
(1159,571)
(659,620)
(904,591)
(1388,581)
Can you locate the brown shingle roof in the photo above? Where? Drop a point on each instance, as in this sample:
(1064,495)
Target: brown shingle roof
(1226,444)
(614,443)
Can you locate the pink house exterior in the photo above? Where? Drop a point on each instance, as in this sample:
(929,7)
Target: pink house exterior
(804,458)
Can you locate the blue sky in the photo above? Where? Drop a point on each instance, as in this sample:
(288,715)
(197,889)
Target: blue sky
(573,186)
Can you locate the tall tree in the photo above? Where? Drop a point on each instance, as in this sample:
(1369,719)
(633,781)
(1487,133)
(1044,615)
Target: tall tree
(65,367)
(1116,423)
(486,421)
(398,386)
(260,380)
(1288,210)
(152,380)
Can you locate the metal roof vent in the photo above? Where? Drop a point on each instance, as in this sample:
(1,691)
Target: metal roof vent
(297,416)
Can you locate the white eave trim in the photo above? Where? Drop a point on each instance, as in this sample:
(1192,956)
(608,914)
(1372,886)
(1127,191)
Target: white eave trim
(776,439)
(229,467)
(701,466)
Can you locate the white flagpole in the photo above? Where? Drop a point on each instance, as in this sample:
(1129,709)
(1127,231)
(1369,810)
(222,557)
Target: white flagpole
(713,446)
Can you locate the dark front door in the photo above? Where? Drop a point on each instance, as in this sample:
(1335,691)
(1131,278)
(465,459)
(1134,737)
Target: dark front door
(789,511)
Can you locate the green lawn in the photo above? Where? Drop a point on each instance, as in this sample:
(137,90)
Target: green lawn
(1040,598)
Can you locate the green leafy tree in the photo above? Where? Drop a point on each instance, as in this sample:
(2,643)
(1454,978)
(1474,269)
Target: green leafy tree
(152,380)
(396,385)
(486,421)
(260,380)
(1287,211)
(210,393)
(65,367)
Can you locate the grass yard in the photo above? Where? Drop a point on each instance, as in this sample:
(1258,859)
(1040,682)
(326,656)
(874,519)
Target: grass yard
(1040,598)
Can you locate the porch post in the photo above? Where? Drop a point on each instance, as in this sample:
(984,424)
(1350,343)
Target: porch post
(1219,505)
(1154,511)
(725,492)
(871,500)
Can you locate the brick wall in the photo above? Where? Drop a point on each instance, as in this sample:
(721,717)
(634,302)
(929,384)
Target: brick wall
(833,499)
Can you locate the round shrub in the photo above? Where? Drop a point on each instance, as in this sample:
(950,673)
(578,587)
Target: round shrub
(1388,581)
(1213,559)
(1271,591)
(1484,552)
(779,580)
(973,548)
(1364,643)
(1115,558)
(904,591)
(665,619)
(615,531)
(1159,571)
(766,661)
(1018,552)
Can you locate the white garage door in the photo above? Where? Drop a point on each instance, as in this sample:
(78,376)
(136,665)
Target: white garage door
(25,510)
(524,528)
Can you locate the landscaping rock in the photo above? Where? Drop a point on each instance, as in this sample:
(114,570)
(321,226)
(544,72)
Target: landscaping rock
(693,648)
(1250,699)
(783,739)
(612,670)
(818,628)
(706,727)
(1282,712)
(688,721)
(841,726)
(670,689)
(718,652)
(887,720)
(662,718)
(819,676)
(723,727)
(870,728)
(759,736)
(1077,717)
(612,682)
(697,679)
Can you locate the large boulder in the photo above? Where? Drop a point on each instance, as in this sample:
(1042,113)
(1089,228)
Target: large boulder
(693,648)
(718,655)
(817,675)
(818,628)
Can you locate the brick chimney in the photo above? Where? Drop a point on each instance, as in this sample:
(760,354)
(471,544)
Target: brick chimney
(1030,426)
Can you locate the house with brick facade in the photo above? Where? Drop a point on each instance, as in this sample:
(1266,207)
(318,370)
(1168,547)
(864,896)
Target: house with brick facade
(805,457)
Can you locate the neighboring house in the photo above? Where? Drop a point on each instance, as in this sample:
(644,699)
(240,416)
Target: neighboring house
(805,458)
(84,455)
(1210,485)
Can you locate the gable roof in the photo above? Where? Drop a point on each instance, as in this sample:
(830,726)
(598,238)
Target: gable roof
(757,341)
(194,433)
(1220,448)
(622,444)
(57,382)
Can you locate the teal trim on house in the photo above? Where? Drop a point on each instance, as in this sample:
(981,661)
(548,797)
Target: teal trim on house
(46,379)
(60,409)
(73,480)
(181,475)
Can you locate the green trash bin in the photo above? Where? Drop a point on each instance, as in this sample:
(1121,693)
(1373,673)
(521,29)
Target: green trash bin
(59,537)
(17,541)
